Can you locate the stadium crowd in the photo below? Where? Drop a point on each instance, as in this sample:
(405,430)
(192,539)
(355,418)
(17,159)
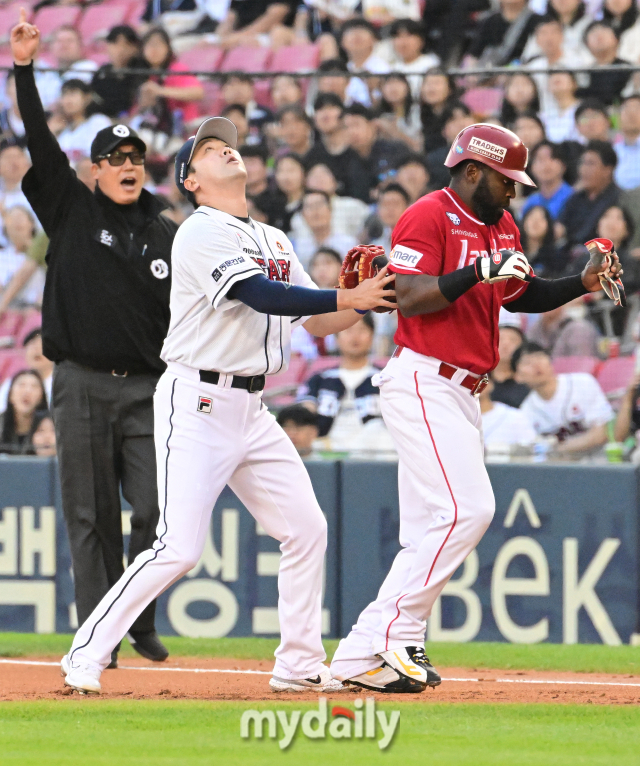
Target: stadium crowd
(335,153)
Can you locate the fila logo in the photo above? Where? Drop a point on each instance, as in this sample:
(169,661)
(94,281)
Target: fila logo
(496,257)
(487,149)
(204,404)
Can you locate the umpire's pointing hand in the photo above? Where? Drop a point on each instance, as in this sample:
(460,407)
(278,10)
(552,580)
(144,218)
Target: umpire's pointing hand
(25,39)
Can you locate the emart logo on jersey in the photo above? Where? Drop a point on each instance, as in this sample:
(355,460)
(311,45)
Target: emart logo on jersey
(405,256)
(365,722)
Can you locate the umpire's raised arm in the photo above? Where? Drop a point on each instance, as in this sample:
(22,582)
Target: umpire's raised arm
(105,316)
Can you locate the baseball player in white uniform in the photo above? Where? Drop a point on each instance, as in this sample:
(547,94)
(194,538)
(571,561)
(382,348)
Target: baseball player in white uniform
(238,290)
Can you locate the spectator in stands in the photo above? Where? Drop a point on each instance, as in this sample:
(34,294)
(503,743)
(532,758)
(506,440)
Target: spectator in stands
(347,213)
(114,89)
(14,164)
(344,397)
(331,147)
(295,130)
(456,117)
(627,145)
(236,113)
(520,98)
(19,230)
(598,192)
(437,93)
(511,337)
(316,211)
(538,243)
(628,417)
(548,167)
(289,175)
(26,397)
(261,187)
(569,406)
(377,157)
(255,23)
(503,424)
(239,89)
(408,39)
(559,112)
(333,77)
(44,436)
(624,18)
(398,115)
(500,37)
(617,225)
(156,8)
(179,91)
(286,90)
(573,16)
(67,57)
(392,203)
(34,359)
(301,426)
(79,128)
(12,131)
(324,268)
(384,12)
(413,176)
(592,121)
(530,130)
(451,25)
(566,331)
(358,39)
(602,42)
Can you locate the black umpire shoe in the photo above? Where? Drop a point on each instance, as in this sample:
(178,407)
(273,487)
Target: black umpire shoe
(148,645)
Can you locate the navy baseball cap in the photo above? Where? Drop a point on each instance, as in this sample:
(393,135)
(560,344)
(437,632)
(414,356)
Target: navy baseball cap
(212,127)
(108,139)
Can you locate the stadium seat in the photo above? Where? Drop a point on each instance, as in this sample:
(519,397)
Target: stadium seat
(50,18)
(13,364)
(262,93)
(295,58)
(576,364)
(212,102)
(246,59)
(32,320)
(9,326)
(202,58)
(288,379)
(8,19)
(616,374)
(97,20)
(484,102)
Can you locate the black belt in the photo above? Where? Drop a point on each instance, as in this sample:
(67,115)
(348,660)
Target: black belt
(252,384)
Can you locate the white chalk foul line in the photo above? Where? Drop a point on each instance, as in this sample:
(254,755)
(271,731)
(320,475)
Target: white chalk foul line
(551,682)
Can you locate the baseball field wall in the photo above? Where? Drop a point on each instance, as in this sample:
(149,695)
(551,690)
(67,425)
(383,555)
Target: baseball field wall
(559,562)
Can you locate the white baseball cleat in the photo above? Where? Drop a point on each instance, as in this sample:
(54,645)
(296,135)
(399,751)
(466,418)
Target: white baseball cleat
(323,682)
(412,663)
(84,679)
(387,681)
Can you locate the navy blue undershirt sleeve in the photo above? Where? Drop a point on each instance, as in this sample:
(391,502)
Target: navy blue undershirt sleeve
(280,299)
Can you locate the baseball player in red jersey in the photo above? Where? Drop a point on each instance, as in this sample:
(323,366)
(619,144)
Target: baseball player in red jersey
(456,256)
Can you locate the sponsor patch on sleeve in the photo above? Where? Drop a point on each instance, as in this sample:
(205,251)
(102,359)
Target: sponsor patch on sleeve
(405,256)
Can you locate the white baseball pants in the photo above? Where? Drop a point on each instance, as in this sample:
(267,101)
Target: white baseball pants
(446,505)
(240,444)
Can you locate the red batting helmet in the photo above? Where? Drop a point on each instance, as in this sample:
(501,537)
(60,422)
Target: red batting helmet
(491,145)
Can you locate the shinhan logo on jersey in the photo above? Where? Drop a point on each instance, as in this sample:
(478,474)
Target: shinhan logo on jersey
(204,404)
(487,149)
(405,256)
(454,219)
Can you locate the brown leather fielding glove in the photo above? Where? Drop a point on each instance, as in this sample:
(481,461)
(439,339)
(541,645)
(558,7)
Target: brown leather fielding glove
(360,263)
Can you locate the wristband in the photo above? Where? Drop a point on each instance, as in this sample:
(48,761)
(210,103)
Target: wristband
(456,283)
(360,311)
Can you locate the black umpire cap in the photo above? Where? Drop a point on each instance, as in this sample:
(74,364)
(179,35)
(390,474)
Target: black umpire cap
(212,127)
(108,139)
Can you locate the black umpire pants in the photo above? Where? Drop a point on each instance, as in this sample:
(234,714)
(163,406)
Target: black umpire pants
(104,433)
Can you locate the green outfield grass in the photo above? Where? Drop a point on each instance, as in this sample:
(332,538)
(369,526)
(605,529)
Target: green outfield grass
(106,733)
(582,658)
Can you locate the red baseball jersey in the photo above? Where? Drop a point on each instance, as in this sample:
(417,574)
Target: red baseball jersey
(439,234)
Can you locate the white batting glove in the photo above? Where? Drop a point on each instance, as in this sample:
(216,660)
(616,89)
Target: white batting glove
(501,265)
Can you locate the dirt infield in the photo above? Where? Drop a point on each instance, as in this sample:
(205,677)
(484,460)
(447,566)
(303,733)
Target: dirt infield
(247,680)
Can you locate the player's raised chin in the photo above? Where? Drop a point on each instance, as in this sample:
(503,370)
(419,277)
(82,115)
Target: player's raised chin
(215,161)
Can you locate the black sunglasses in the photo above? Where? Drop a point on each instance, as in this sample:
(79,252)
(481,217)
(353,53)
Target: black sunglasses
(119,158)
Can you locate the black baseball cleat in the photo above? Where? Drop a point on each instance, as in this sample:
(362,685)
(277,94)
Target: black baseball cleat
(148,645)
(412,663)
(386,680)
(113,665)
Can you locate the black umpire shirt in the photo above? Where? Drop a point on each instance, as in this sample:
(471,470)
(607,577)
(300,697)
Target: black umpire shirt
(106,297)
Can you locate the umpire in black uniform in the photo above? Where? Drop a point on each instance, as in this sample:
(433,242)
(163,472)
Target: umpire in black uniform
(105,317)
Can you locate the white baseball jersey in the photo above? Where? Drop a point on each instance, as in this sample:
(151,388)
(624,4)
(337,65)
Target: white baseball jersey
(577,405)
(209,331)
